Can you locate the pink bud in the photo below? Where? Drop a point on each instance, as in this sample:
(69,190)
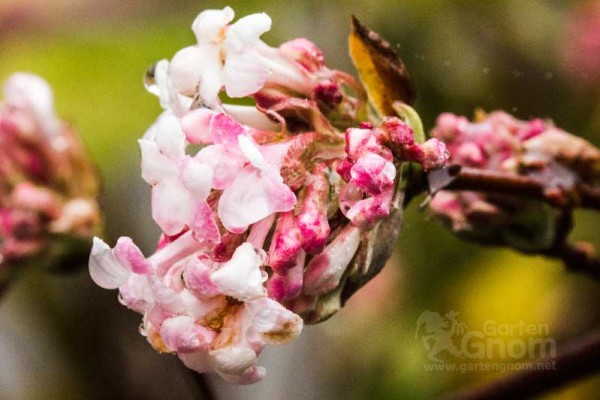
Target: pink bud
(285,245)
(373,174)
(312,219)
(434,154)
(287,287)
(399,133)
(325,270)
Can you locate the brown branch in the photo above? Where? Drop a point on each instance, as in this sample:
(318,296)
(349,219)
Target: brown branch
(577,359)
(578,257)
(480,180)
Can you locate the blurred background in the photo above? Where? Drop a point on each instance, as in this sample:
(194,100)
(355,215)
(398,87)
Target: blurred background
(63,337)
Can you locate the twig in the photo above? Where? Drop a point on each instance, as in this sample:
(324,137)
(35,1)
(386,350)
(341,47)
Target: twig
(480,180)
(578,257)
(577,359)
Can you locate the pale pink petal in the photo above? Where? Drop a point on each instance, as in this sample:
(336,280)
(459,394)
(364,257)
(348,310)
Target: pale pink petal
(251,151)
(105,269)
(196,177)
(169,137)
(197,278)
(196,125)
(245,73)
(250,376)
(241,277)
(245,32)
(202,309)
(251,116)
(233,360)
(198,361)
(182,334)
(185,69)
(172,206)
(130,255)
(225,130)
(211,80)
(204,224)
(155,166)
(260,230)
(225,164)
(209,25)
(136,293)
(276,324)
(253,195)
(170,99)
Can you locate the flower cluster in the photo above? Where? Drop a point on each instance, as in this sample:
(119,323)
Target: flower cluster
(263,207)
(47,183)
(499,142)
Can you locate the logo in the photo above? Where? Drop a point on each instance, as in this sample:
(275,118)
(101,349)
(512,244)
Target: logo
(452,345)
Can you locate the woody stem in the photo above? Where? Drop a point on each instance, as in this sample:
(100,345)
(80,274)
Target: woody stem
(575,360)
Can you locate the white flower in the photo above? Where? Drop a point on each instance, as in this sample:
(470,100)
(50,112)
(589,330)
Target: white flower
(225,55)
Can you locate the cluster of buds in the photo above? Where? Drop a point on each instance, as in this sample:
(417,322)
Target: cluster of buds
(47,183)
(535,149)
(263,207)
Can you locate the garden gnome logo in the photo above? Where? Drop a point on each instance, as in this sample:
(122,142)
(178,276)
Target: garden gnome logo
(438,331)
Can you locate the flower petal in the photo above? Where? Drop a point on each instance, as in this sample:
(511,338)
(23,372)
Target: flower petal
(277,324)
(244,73)
(136,293)
(196,177)
(172,206)
(196,125)
(198,361)
(241,277)
(246,31)
(169,137)
(130,255)
(225,164)
(182,334)
(105,269)
(251,151)
(225,130)
(209,24)
(253,195)
(185,69)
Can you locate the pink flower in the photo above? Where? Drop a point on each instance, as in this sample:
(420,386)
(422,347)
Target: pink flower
(266,211)
(47,183)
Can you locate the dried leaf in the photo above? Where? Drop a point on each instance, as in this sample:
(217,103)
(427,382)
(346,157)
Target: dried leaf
(380,69)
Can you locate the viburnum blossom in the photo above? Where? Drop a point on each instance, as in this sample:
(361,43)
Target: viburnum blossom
(47,183)
(262,208)
(500,142)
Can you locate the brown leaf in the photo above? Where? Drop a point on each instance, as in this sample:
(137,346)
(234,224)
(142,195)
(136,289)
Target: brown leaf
(380,69)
